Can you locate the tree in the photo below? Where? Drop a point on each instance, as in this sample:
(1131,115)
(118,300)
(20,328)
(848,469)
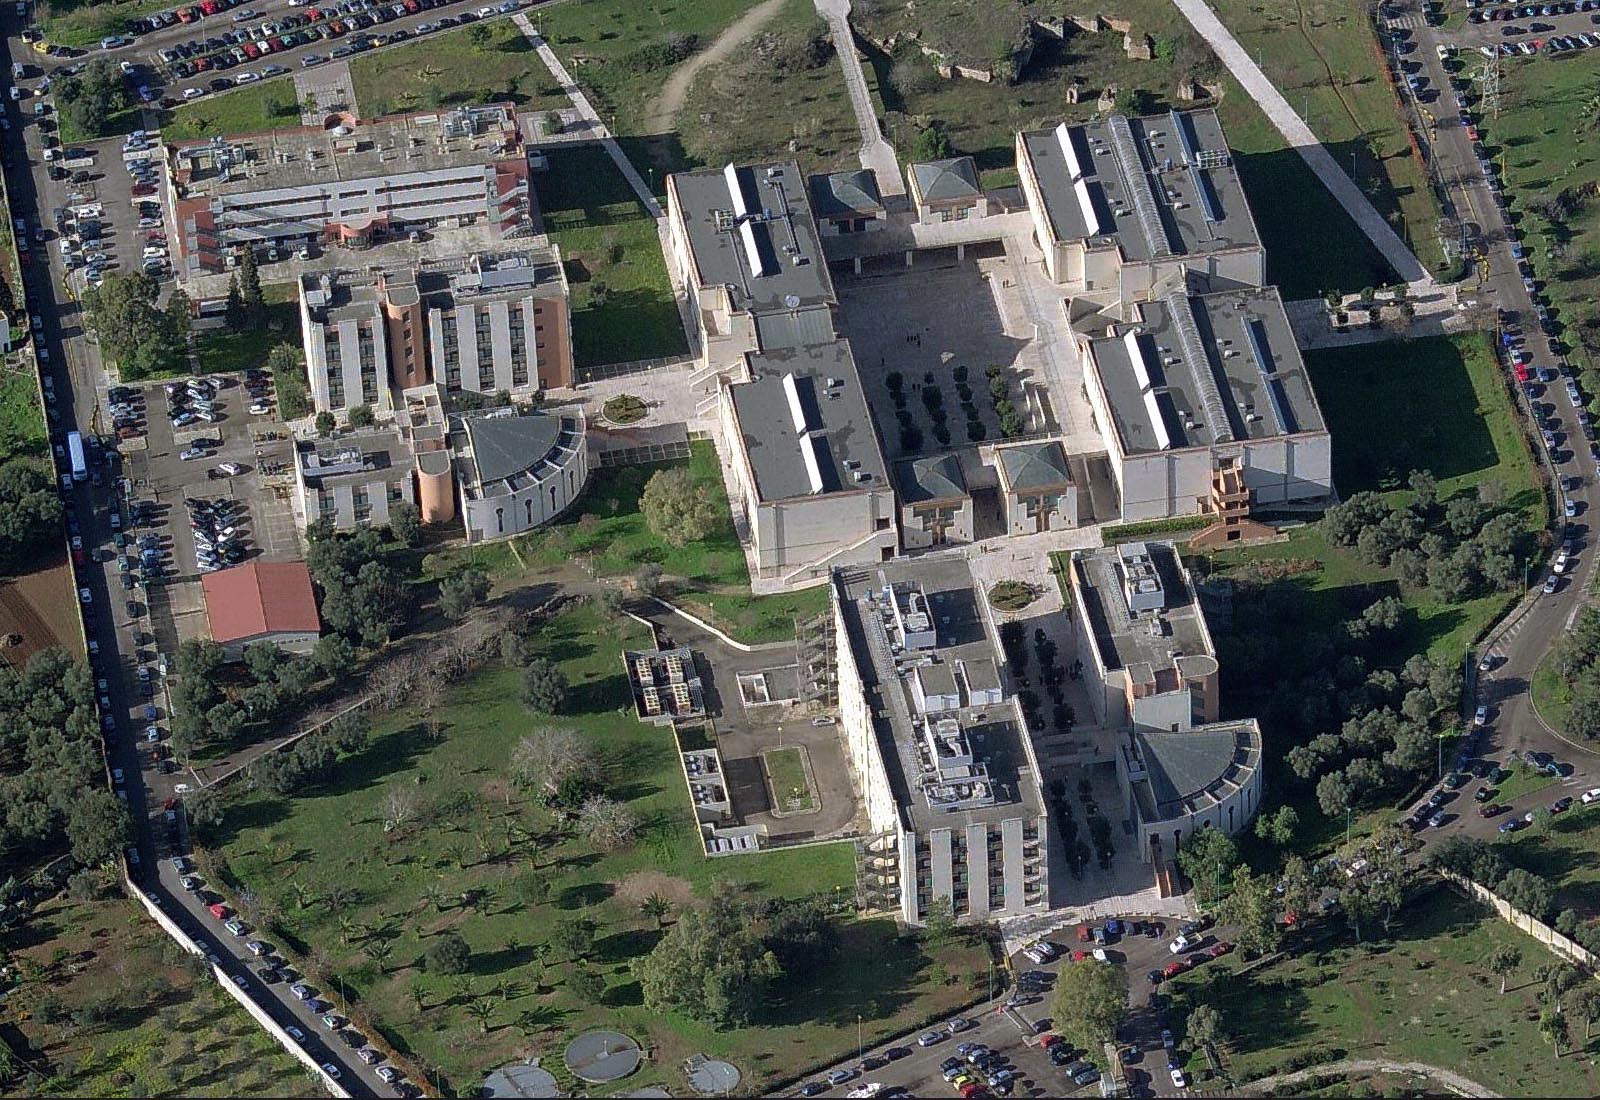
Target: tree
(399,805)
(545,759)
(333,655)
(647,581)
(463,590)
(609,824)
(544,686)
(448,953)
(656,907)
(1252,908)
(586,984)
(359,416)
(255,303)
(1278,827)
(481,1009)
(678,509)
(378,950)
(931,143)
(1207,858)
(1585,1003)
(30,512)
(939,921)
(1527,892)
(575,936)
(142,339)
(89,99)
(1502,961)
(405,523)
(1553,1028)
(98,826)
(325,423)
(1204,1025)
(1090,1003)
(233,316)
(203,808)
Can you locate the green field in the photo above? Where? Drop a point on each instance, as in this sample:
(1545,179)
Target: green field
(803,110)
(1563,852)
(483,63)
(1425,995)
(786,773)
(158,1028)
(22,429)
(623,307)
(1552,695)
(252,109)
(86,22)
(1322,56)
(1439,403)
(1549,152)
(338,884)
(1524,781)
(756,619)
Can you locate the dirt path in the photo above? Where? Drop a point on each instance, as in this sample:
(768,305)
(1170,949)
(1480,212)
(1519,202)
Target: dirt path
(666,106)
(1461,1086)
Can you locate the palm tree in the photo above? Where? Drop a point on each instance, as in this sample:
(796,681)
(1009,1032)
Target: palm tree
(347,929)
(480,1010)
(1502,962)
(378,951)
(433,894)
(1586,1003)
(656,906)
(419,994)
(303,896)
(1553,1026)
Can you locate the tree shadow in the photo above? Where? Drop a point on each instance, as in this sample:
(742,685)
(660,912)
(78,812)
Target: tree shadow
(584,895)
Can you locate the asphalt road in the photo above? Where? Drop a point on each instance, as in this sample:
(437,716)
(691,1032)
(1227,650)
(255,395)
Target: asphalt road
(1518,646)
(80,387)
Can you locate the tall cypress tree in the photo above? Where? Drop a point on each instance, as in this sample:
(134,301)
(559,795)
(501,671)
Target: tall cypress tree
(255,306)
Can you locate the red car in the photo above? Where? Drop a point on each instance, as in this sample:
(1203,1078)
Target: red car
(1049,1039)
(1085,933)
(1079,956)
(1220,949)
(1173,969)
(220,911)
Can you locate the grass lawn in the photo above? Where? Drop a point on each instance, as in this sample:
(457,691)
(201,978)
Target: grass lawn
(1551,694)
(1551,165)
(803,100)
(594,40)
(86,22)
(1524,780)
(22,429)
(469,840)
(786,773)
(269,105)
(1563,851)
(225,350)
(1322,56)
(623,307)
(755,619)
(166,1030)
(1424,996)
(447,70)
(1439,403)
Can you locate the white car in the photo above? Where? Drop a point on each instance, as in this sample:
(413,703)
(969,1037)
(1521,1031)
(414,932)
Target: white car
(231,468)
(192,93)
(247,78)
(192,453)
(1179,1079)
(1180,945)
(865,1090)
(181,788)
(260,408)
(1591,796)
(387,1074)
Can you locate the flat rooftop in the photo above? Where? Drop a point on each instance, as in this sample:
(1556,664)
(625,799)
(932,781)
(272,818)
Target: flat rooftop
(1141,608)
(805,423)
(355,459)
(1154,186)
(1211,369)
(1188,771)
(496,276)
(950,639)
(394,146)
(751,229)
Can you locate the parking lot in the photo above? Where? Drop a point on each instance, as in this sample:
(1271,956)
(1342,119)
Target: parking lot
(1012,1029)
(229,461)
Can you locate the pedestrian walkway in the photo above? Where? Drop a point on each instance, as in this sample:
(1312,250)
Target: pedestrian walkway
(590,123)
(875,153)
(1299,136)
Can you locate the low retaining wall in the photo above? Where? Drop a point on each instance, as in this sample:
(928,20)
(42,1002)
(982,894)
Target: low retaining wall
(270,1025)
(1561,945)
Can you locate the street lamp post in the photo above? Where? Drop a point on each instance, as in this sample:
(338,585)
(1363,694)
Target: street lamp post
(1347,826)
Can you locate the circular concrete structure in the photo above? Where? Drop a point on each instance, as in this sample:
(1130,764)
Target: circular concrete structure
(602,1056)
(519,1079)
(714,1078)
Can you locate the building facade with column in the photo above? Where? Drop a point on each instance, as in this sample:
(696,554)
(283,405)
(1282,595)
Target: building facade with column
(937,747)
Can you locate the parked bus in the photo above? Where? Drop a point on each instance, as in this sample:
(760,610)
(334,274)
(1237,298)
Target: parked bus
(80,468)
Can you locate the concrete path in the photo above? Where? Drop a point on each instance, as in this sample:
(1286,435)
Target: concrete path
(875,152)
(1284,1083)
(1304,142)
(669,102)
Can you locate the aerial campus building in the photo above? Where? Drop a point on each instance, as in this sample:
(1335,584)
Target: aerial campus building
(349,183)
(939,750)
(809,471)
(1122,206)
(485,323)
(1197,393)
(1153,674)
